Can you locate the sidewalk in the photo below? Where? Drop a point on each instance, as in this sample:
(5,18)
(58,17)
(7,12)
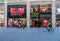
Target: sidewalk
(29,34)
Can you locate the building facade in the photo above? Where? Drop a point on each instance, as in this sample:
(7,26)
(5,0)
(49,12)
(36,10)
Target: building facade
(30,13)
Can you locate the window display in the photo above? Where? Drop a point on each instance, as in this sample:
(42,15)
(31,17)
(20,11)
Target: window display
(39,13)
(58,20)
(45,9)
(1,17)
(34,9)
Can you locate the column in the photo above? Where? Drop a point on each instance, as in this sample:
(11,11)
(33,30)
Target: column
(5,13)
(28,14)
(53,14)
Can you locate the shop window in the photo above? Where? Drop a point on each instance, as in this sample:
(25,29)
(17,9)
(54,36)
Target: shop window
(1,15)
(16,16)
(58,7)
(39,13)
(58,20)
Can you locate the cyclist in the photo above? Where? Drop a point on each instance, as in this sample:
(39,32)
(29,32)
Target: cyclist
(50,25)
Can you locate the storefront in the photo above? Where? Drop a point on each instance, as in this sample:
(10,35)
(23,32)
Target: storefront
(41,12)
(16,14)
(2,19)
(30,13)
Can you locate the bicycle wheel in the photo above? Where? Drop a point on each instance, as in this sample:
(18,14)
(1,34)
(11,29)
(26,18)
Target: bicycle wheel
(51,29)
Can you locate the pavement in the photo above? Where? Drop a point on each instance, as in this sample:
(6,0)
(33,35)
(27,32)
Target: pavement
(29,34)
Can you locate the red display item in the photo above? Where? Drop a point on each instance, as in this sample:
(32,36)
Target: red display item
(45,22)
(13,10)
(20,10)
(41,8)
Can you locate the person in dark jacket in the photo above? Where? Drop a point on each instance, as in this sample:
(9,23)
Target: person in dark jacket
(49,25)
(20,24)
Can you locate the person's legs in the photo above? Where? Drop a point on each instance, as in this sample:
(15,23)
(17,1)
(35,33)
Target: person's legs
(49,28)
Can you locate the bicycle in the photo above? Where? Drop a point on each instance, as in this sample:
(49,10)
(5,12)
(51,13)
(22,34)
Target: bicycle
(45,29)
(50,29)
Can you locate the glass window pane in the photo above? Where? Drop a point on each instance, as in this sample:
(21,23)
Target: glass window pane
(41,15)
(58,20)
(58,7)
(16,16)
(1,15)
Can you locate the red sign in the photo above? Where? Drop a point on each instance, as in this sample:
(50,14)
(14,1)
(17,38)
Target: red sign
(20,10)
(13,10)
(41,8)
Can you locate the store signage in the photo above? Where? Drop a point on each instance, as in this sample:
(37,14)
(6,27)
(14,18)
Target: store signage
(20,10)
(13,10)
(17,11)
